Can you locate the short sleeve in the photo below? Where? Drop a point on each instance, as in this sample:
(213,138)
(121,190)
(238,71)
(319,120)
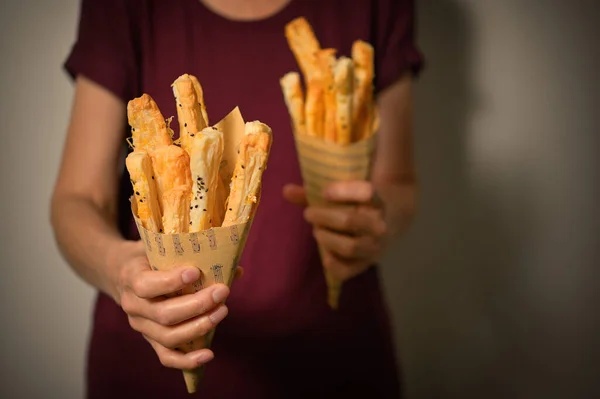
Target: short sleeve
(105,47)
(396,50)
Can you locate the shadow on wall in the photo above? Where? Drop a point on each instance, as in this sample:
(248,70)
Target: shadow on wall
(451,279)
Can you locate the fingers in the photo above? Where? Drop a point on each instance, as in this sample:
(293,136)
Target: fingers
(349,191)
(347,247)
(151,284)
(172,311)
(179,360)
(295,194)
(176,336)
(344,269)
(352,220)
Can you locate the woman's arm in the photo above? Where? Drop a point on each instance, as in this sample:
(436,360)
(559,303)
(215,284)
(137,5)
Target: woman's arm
(83,207)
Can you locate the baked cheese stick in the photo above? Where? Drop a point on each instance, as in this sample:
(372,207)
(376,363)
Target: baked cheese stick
(148,126)
(200,97)
(189,113)
(303,43)
(139,166)
(343,84)
(326,60)
(362,55)
(176,214)
(171,166)
(206,151)
(294,99)
(247,174)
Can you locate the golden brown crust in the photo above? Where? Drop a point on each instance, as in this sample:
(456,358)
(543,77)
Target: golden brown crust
(326,62)
(148,126)
(344,87)
(294,99)
(303,43)
(189,113)
(200,98)
(139,166)
(362,55)
(171,169)
(206,151)
(247,175)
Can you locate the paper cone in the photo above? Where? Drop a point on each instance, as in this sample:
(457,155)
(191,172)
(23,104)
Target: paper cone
(216,252)
(322,163)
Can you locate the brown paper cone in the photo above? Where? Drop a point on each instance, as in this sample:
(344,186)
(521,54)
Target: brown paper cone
(322,163)
(215,252)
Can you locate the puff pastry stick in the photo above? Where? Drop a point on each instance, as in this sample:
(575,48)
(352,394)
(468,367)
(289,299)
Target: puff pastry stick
(250,165)
(148,126)
(362,55)
(206,152)
(189,113)
(326,61)
(344,86)
(139,165)
(176,214)
(294,99)
(200,98)
(303,43)
(171,169)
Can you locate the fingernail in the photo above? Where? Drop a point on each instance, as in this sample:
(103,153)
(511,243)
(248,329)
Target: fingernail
(202,357)
(220,293)
(218,314)
(190,275)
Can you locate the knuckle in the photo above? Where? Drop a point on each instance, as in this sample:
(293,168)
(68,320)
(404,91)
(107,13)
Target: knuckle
(133,322)
(127,303)
(162,316)
(349,248)
(346,220)
(166,360)
(170,340)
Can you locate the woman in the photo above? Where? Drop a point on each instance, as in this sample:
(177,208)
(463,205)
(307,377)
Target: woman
(279,340)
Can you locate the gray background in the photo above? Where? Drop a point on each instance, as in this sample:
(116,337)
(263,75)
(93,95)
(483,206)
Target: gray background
(493,290)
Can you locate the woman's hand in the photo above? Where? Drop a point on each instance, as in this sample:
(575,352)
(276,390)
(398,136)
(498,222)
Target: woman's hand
(351,230)
(167,323)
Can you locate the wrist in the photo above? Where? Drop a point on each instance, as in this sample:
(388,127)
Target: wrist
(115,255)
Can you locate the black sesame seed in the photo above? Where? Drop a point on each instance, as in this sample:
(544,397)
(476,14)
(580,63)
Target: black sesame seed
(133,129)
(190,222)
(243,167)
(180,105)
(137,193)
(192,135)
(200,197)
(196,206)
(185,124)
(204,210)
(160,230)
(152,177)
(230,209)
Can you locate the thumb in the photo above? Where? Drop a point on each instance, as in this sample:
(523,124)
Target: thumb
(295,194)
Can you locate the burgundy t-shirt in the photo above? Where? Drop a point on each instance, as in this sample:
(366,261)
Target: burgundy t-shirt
(280,340)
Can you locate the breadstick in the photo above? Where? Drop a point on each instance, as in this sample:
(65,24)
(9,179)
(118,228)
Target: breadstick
(200,98)
(206,151)
(343,83)
(148,126)
(189,113)
(362,55)
(303,43)
(294,99)
(171,166)
(142,179)
(249,167)
(176,216)
(326,61)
